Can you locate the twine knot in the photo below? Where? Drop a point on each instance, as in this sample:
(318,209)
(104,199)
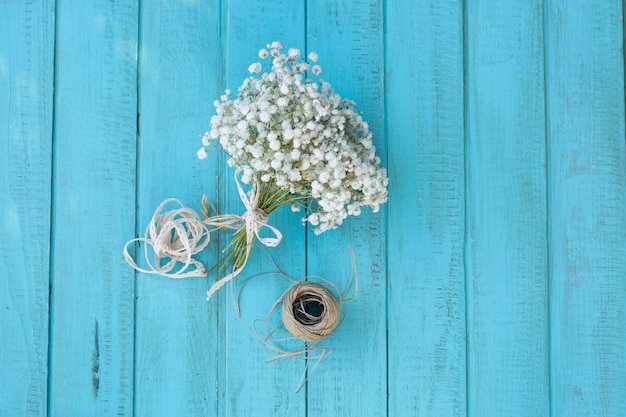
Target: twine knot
(254,220)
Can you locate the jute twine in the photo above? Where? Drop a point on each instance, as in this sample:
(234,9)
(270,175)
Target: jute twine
(176,235)
(173,238)
(253,220)
(312,309)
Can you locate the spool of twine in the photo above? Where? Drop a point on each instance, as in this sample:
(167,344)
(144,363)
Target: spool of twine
(310,312)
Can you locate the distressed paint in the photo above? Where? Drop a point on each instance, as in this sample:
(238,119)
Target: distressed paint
(587,182)
(506,248)
(251,382)
(93,196)
(26,82)
(493,282)
(177,335)
(426,278)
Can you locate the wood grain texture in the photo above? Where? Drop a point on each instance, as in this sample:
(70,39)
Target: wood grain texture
(493,283)
(252,385)
(506,253)
(26,81)
(426,217)
(348,37)
(93,209)
(177,338)
(587,197)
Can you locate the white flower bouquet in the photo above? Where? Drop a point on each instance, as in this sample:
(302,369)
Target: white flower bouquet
(293,141)
(298,143)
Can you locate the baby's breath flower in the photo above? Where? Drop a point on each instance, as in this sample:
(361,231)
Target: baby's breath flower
(255,68)
(300,139)
(264,116)
(206,139)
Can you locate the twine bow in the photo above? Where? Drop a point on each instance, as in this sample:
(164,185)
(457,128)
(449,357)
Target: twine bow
(254,219)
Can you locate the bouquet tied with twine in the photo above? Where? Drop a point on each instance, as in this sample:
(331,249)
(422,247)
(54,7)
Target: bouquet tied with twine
(293,141)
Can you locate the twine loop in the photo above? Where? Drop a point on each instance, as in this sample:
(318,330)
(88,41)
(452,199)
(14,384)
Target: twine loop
(177,235)
(180,234)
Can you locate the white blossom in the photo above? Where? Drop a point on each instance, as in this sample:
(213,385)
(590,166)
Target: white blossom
(300,135)
(206,139)
(264,116)
(255,68)
(202,153)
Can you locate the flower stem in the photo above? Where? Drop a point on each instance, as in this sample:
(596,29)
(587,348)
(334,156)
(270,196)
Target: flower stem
(236,253)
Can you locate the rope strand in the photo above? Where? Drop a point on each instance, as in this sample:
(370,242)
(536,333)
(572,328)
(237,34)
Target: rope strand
(179,234)
(176,235)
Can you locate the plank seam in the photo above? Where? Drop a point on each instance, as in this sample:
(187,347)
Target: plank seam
(137,178)
(306,225)
(385,129)
(547,155)
(52,236)
(222,320)
(466,172)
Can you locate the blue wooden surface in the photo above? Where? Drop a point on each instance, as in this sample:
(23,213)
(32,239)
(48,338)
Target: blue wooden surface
(587,222)
(26,93)
(177,336)
(506,249)
(493,283)
(93,195)
(426,227)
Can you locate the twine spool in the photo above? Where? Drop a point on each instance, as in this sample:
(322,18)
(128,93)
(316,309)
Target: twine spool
(310,312)
(312,308)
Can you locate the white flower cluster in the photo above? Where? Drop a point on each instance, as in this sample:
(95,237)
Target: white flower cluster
(297,134)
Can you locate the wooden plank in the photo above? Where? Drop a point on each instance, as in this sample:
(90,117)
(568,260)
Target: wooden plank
(91,368)
(506,254)
(177,340)
(26,81)
(179,48)
(348,37)
(426,218)
(587,196)
(253,386)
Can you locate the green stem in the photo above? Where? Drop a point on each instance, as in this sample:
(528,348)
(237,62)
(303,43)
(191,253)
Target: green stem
(235,254)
